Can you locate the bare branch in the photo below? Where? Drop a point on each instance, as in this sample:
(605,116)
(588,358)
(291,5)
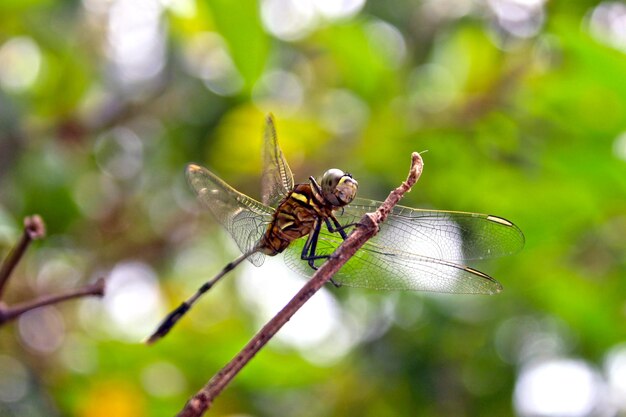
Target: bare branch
(34,228)
(367,227)
(10,313)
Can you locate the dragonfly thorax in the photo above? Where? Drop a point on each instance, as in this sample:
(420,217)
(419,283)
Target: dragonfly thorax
(338,188)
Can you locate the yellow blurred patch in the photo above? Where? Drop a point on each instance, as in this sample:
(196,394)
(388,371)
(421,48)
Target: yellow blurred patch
(113,398)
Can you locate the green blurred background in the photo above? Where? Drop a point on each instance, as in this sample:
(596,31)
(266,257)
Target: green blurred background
(521,105)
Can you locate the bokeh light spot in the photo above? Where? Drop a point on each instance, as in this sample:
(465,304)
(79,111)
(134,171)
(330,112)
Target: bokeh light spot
(432,88)
(163,379)
(79,354)
(343,112)
(519,18)
(388,40)
(436,10)
(559,388)
(294,19)
(133,300)
(21,62)
(338,9)
(136,40)
(615,368)
(316,330)
(619,146)
(119,153)
(607,23)
(288,19)
(182,8)
(57,273)
(96,195)
(279,90)
(42,330)
(13,379)
(524,339)
(206,56)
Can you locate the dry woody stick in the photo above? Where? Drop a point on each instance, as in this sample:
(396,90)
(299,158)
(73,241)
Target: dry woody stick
(367,228)
(34,228)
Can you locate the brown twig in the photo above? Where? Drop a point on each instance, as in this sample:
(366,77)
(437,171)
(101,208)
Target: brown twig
(34,228)
(10,313)
(368,227)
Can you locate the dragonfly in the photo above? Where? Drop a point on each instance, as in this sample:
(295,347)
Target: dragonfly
(415,249)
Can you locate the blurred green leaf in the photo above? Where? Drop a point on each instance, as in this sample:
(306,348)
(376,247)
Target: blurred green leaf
(358,60)
(240,25)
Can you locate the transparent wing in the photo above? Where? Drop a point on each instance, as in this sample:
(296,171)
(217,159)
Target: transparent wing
(382,269)
(245,218)
(277,178)
(419,250)
(447,235)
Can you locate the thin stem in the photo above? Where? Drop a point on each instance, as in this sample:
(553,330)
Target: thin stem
(10,313)
(367,228)
(34,228)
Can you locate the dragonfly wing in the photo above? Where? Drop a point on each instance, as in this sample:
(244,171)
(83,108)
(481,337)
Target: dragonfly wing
(445,235)
(245,218)
(277,177)
(377,267)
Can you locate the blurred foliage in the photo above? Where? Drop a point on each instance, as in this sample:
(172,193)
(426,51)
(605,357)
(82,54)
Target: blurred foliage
(520,104)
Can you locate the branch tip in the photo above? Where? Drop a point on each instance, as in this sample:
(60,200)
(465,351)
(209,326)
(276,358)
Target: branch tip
(99,287)
(34,227)
(417,166)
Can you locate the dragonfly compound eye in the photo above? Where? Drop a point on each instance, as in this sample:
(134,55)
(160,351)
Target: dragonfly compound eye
(338,187)
(330,179)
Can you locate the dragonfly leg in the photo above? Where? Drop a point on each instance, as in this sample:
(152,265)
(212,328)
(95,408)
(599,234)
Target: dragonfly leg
(308,251)
(338,228)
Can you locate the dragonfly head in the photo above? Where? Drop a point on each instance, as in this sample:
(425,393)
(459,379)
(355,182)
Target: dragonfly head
(338,187)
